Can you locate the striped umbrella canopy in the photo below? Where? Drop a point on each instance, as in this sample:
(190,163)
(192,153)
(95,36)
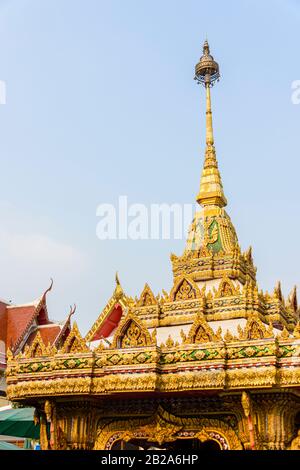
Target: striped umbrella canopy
(18,422)
(8,446)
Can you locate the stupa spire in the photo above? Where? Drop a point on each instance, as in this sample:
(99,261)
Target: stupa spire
(211,188)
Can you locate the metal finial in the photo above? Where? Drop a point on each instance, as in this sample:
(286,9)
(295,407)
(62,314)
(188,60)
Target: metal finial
(206,50)
(207,69)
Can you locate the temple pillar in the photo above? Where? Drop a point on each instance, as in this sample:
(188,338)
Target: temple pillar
(274,416)
(72,426)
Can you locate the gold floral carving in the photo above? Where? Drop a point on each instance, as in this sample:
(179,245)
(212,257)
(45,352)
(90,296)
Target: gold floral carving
(37,348)
(255,329)
(226,288)
(160,432)
(203,379)
(201,332)
(284,334)
(296,332)
(184,289)
(164,427)
(202,435)
(74,343)
(132,333)
(289,376)
(251,377)
(147,297)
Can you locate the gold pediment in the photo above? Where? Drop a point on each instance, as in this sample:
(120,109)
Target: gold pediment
(37,348)
(255,329)
(147,298)
(226,288)
(184,289)
(201,332)
(132,333)
(74,342)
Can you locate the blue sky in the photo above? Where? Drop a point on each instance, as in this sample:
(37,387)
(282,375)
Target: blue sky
(101,102)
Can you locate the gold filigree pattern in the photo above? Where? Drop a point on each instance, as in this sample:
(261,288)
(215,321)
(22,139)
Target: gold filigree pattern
(255,329)
(147,298)
(201,332)
(296,332)
(131,333)
(184,289)
(74,342)
(226,288)
(164,427)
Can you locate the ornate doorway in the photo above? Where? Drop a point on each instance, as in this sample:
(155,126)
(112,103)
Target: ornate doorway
(165,431)
(178,445)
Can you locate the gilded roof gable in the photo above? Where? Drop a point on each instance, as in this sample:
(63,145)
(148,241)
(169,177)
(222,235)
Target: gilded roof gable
(131,333)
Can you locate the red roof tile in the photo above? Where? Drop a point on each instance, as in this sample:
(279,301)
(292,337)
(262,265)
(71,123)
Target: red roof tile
(109,324)
(48,334)
(18,320)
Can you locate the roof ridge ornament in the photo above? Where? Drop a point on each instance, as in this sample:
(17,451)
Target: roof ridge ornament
(118,292)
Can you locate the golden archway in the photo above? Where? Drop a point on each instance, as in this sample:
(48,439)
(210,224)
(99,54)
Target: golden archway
(162,427)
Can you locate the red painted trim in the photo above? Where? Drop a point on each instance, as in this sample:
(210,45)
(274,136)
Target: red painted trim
(110,323)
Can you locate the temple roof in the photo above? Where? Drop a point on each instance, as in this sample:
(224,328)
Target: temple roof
(214,330)
(19,324)
(19,320)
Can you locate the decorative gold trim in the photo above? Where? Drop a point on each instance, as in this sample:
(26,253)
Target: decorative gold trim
(163,427)
(184,289)
(226,288)
(147,298)
(74,342)
(255,329)
(131,332)
(296,332)
(201,332)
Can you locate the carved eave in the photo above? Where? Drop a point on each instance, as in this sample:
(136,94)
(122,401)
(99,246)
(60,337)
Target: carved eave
(229,365)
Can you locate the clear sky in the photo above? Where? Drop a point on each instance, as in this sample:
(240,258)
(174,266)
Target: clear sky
(101,102)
